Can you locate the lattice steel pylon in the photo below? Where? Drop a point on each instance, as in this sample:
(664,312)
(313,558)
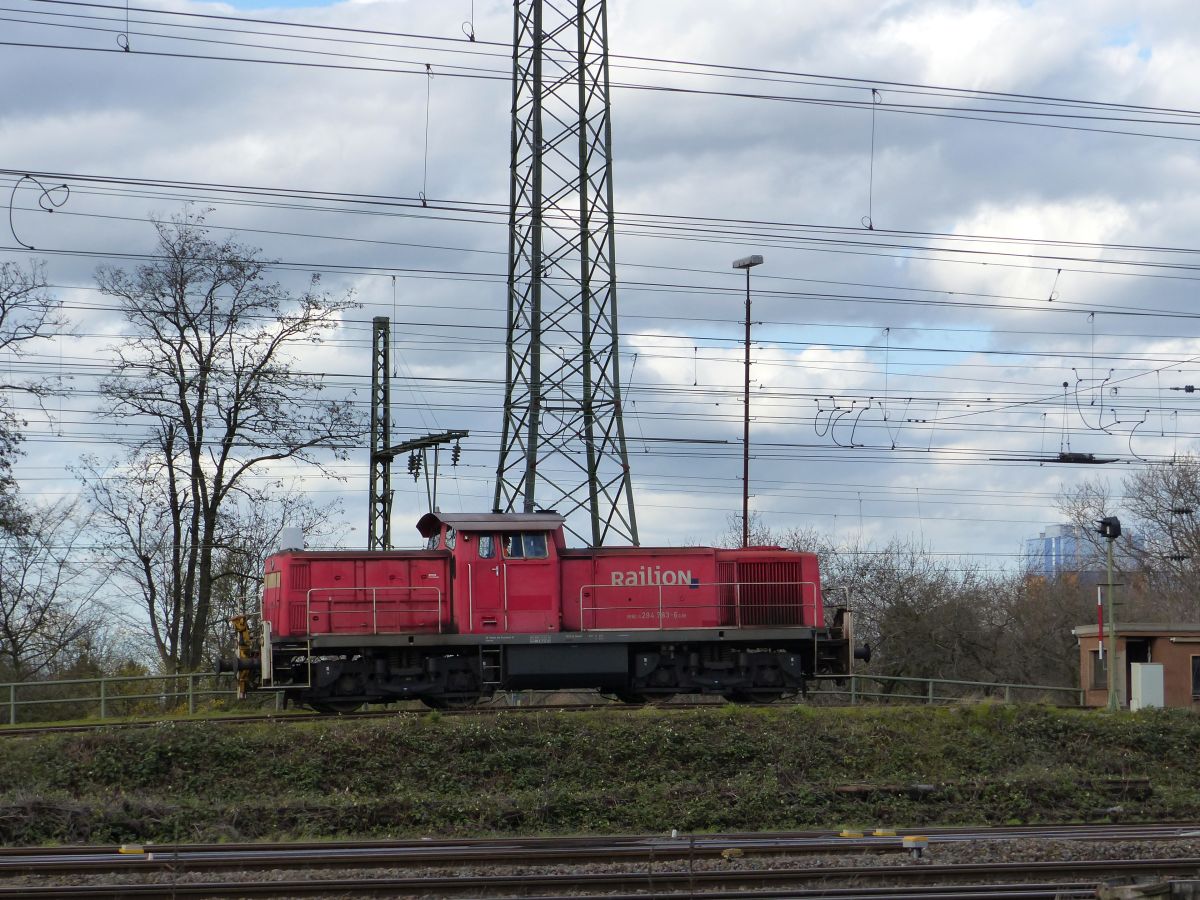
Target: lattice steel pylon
(563,441)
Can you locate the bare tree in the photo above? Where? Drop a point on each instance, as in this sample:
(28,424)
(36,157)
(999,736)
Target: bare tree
(949,618)
(927,617)
(46,617)
(143,544)
(1163,502)
(28,312)
(27,309)
(1034,641)
(1083,506)
(209,371)
(250,536)
(1157,556)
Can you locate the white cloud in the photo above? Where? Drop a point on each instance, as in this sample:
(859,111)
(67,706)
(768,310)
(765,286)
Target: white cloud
(835,319)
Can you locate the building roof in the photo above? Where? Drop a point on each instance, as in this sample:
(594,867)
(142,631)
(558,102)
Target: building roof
(431,523)
(1165,629)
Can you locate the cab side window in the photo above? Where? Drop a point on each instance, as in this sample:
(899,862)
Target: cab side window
(434,541)
(487,546)
(522,545)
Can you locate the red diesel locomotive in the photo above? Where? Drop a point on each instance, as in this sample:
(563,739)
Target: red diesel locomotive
(498,602)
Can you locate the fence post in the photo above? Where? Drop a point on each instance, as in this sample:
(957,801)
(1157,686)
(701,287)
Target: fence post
(853,691)
(191,693)
(1008,693)
(103,698)
(12,704)
(929,692)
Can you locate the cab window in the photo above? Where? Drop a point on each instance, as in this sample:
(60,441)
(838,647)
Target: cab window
(522,545)
(535,546)
(487,546)
(434,541)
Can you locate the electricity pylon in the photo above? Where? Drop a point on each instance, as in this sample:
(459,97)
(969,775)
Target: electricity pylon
(563,442)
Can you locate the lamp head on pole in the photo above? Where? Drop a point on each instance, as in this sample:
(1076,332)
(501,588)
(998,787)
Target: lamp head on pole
(748,262)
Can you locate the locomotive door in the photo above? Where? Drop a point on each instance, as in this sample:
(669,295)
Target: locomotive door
(531,582)
(486,586)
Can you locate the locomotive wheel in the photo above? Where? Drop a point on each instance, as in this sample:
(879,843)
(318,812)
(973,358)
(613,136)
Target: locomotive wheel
(335,707)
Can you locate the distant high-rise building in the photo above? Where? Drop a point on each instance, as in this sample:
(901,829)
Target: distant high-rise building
(1063,550)
(1057,550)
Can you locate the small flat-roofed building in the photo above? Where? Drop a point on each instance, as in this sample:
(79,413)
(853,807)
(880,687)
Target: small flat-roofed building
(1175,647)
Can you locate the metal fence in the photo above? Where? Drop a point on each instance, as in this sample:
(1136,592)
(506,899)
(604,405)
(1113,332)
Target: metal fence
(32,702)
(860,688)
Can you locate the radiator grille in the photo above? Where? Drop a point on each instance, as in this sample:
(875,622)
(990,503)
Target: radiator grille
(762,593)
(300,578)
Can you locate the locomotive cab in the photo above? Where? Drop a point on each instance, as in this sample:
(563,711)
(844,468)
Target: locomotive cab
(505,570)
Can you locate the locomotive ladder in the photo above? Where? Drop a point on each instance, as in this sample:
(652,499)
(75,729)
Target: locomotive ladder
(491,666)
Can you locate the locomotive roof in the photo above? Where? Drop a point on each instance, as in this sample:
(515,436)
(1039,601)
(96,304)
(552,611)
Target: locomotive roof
(431,523)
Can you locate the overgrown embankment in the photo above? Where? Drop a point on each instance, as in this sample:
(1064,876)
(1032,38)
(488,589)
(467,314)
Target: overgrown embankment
(721,768)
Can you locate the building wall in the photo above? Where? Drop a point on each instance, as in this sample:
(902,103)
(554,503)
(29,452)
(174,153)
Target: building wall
(1054,552)
(1063,550)
(1176,659)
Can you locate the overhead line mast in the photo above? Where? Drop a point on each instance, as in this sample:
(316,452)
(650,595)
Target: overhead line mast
(563,439)
(379,514)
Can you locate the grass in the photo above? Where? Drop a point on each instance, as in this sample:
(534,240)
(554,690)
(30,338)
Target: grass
(709,769)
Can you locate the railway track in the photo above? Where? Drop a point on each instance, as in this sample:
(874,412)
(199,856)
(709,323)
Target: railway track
(110,857)
(745,865)
(975,880)
(576,888)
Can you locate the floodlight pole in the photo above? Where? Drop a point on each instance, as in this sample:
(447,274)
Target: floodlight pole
(747,263)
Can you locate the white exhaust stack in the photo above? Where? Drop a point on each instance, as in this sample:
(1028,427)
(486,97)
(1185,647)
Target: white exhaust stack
(291,539)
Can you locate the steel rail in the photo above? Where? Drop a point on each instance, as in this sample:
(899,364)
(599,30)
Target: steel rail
(691,879)
(761,843)
(365,887)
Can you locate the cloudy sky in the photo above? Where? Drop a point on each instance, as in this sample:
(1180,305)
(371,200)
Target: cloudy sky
(962,206)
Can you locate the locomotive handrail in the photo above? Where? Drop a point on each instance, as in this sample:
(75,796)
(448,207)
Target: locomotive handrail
(374,608)
(737,600)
